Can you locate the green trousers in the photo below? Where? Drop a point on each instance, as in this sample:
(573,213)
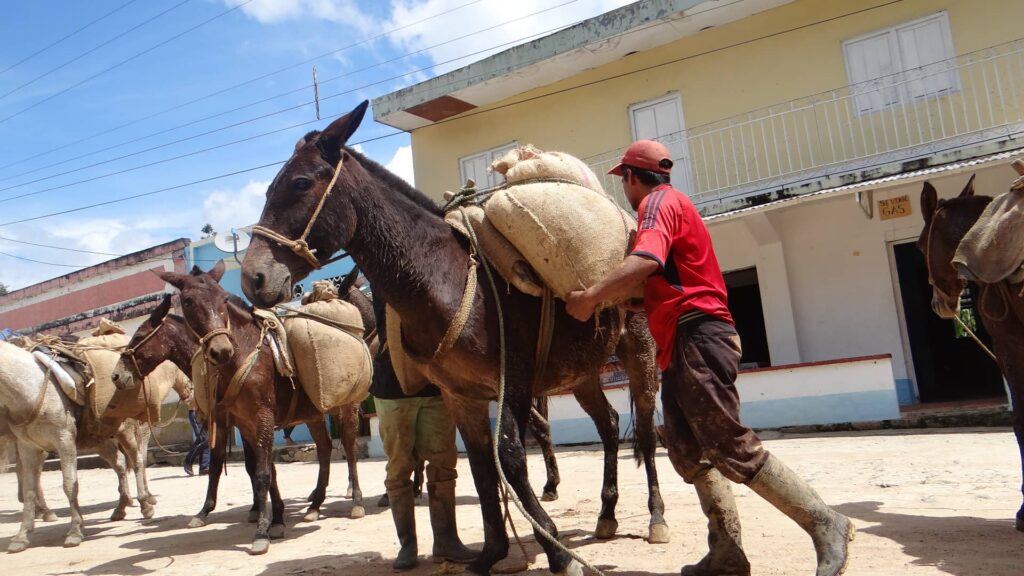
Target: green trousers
(414,429)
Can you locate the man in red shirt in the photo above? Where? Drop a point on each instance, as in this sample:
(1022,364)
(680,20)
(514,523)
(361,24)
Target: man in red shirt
(699,351)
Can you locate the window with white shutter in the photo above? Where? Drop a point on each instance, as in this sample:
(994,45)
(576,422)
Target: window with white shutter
(662,120)
(901,64)
(475,167)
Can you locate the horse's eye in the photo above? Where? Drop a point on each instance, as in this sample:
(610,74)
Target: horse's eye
(303,184)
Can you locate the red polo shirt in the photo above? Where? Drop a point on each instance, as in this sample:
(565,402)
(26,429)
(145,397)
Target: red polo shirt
(672,233)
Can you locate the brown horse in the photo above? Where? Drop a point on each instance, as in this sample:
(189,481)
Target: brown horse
(165,336)
(250,393)
(945,224)
(413,259)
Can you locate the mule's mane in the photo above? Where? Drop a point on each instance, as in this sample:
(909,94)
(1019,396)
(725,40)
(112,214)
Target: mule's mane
(396,183)
(965,211)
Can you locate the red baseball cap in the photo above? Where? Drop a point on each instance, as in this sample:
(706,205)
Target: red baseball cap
(646,155)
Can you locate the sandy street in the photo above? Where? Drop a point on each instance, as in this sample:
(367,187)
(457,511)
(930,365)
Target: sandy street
(925,502)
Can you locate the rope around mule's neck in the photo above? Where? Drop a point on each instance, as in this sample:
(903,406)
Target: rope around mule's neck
(501,405)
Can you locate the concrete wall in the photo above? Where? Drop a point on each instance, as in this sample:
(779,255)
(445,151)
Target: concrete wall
(827,280)
(719,73)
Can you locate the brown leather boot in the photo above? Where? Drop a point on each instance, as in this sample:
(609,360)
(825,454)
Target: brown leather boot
(725,555)
(830,531)
(447,545)
(403,510)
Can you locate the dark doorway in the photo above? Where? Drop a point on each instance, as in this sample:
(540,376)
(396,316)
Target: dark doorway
(745,306)
(948,366)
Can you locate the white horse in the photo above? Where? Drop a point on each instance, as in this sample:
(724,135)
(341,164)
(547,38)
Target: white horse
(42,418)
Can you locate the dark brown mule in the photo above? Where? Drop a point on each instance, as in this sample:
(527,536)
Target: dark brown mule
(164,336)
(419,266)
(230,334)
(1002,309)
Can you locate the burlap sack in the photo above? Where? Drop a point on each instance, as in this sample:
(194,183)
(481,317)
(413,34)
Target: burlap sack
(410,378)
(202,385)
(530,163)
(508,261)
(135,403)
(571,235)
(102,353)
(333,364)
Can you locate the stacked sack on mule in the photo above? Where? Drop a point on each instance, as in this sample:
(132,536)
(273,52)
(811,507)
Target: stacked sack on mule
(102,352)
(551,223)
(325,336)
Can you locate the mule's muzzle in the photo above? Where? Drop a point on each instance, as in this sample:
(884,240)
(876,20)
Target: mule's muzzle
(122,377)
(266,284)
(220,350)
(944,309)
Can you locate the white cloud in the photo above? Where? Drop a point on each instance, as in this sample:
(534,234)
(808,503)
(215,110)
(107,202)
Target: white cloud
(401,164)
(482,15)
(227,209)
(274,11)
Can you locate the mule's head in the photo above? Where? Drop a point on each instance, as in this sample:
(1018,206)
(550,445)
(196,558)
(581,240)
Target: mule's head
(297,211)
(945,224)
(204,305)
(146,350)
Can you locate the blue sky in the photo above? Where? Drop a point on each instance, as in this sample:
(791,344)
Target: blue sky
(88,89)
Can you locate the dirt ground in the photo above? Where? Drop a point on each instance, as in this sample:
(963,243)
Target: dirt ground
(924,502)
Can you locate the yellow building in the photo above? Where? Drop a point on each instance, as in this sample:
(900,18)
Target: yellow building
(802,129)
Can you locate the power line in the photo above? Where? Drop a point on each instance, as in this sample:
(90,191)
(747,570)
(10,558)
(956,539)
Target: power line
(221,91)
(585,85)
(42,262)
(65,37)
(261,117)
(129,59)
(93,49)
(282,111)
(26,242)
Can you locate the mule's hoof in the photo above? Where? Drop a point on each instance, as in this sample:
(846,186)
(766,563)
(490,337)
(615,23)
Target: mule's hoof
(15,547)
(357,512)
(276,531)
(49,516)
(1020,520)
(196,522)
(148,511)
(507,565)
(606,528)
(72,540)
(549,497)
(658,534)
(151,500)
(118,515)
(573,569)
(253,517)
(259,546)
(311,516)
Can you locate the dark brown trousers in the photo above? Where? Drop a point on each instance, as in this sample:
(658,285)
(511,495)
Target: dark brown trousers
(702,408)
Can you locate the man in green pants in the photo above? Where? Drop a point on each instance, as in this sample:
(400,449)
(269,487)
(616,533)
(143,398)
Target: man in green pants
(414,428)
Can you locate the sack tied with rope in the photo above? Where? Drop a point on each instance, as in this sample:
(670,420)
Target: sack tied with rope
(331,359)
(555,214)
(992,249)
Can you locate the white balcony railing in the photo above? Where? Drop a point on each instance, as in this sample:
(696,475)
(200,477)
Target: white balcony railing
(950,105)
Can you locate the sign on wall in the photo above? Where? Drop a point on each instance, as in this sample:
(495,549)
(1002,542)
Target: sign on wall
(897,207)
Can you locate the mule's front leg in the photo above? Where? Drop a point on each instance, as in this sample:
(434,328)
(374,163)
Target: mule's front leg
(318,430)
(217,454)
(513,462)
(474,427)
(263,445)
(30,461)
(108,450)
(69,469)
(349,418)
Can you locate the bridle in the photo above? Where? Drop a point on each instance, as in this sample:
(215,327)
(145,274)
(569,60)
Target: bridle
(130,351)
(928,259)
(300,246)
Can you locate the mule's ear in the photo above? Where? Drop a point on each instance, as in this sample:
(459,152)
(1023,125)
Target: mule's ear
(164,307)
(196,270)
(338,133)
(218,271)
(348,282)
(172,278)
(969,188)
(929,201)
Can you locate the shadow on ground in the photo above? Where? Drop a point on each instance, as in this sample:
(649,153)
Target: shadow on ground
(959,545)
